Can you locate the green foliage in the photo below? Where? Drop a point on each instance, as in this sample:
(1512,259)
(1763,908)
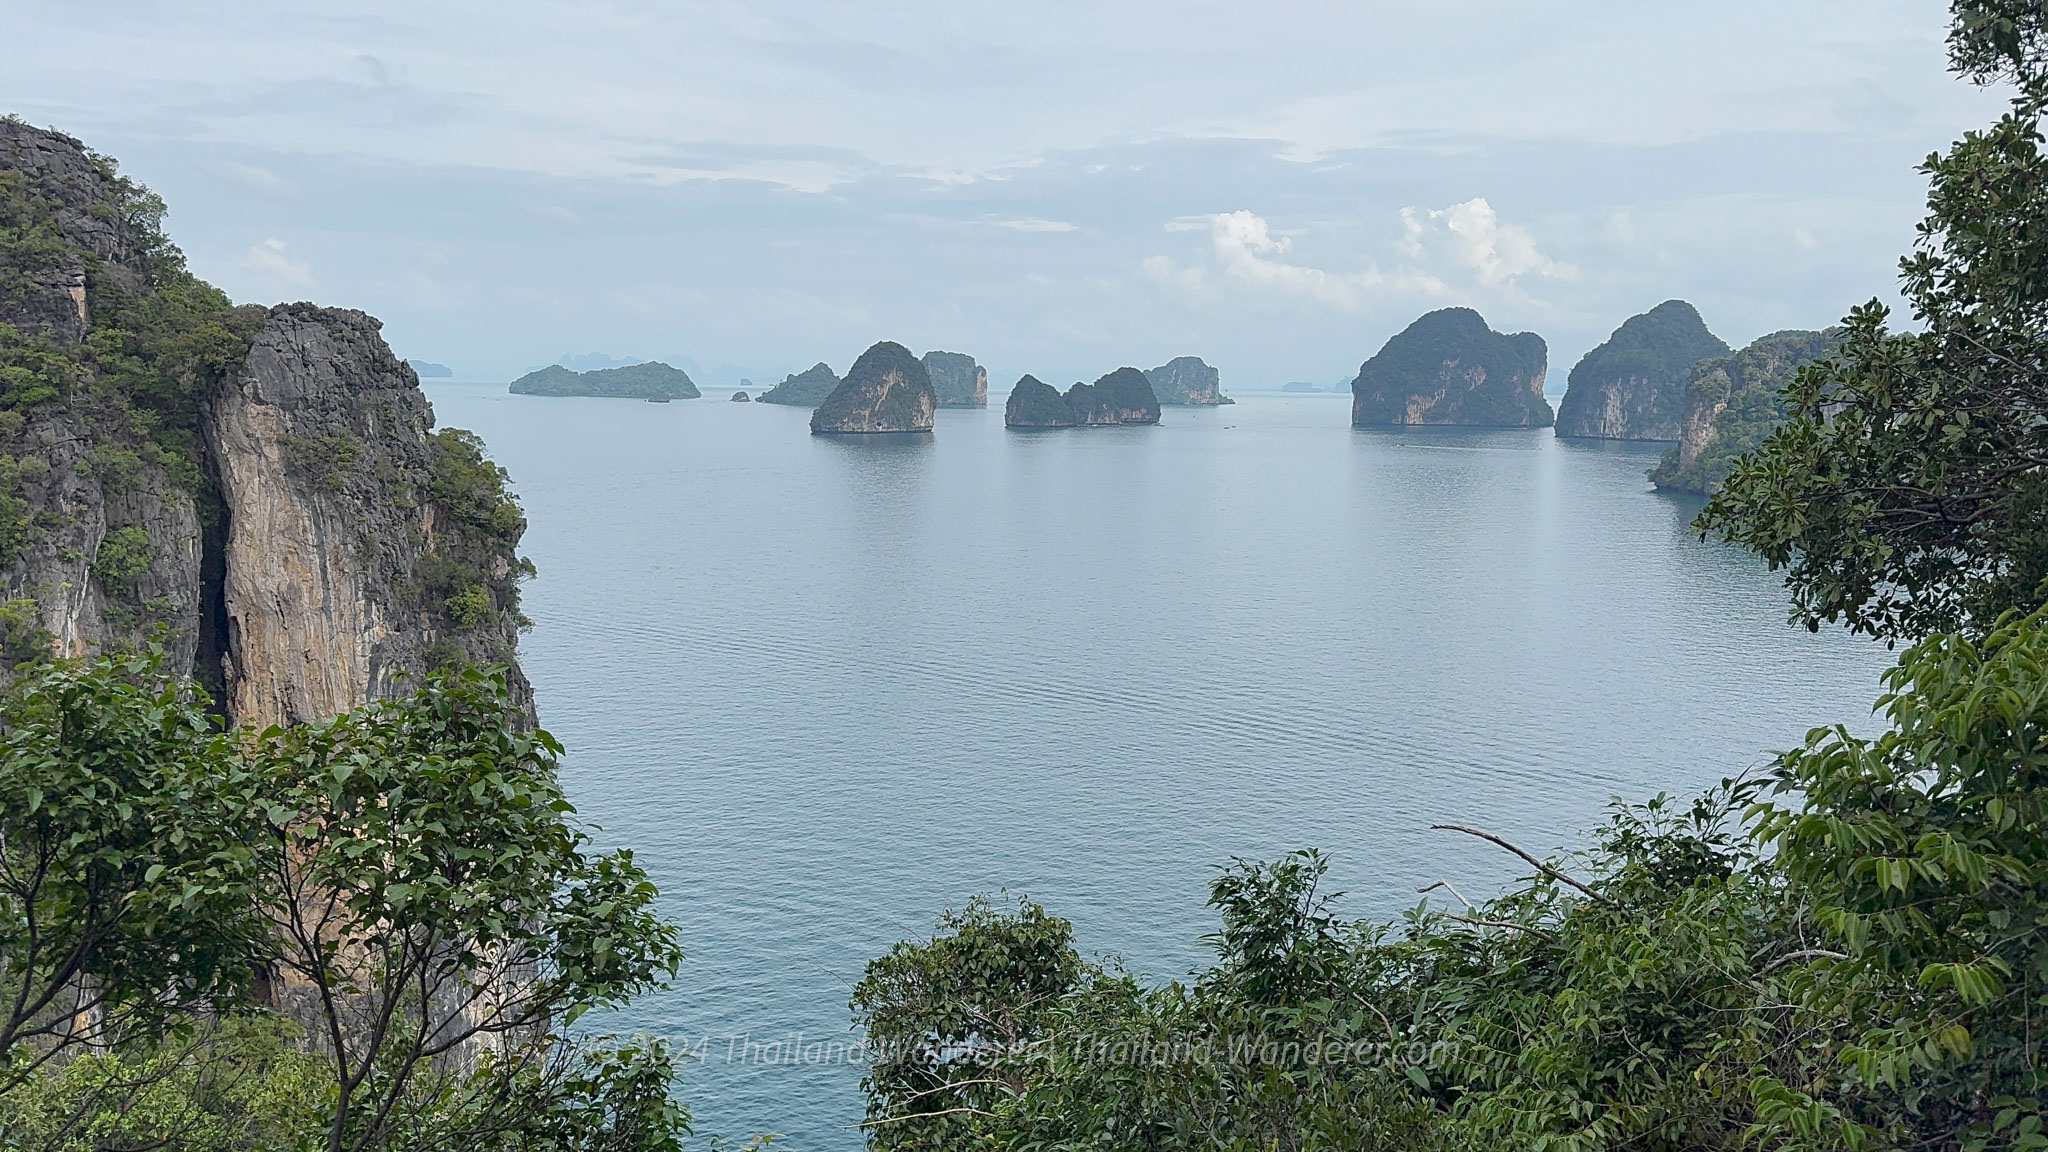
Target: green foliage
(946,1018)
(125,887)
(1476,376)
(471,607)
(470,488)
(237,1086)
(1908,494)
(22,636)
(423,876)
(122,559)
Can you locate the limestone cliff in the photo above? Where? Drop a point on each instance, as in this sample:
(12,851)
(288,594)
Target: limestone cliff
(1633,386)
(1450,368)
(257,490)
(886,390)
(1187,380)
(1732,404)
(1035,404)
(957,380)
(347,567)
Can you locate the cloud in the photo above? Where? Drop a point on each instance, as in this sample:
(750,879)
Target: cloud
(1476,239)
(1245,250)
(269,258)
(1033,224)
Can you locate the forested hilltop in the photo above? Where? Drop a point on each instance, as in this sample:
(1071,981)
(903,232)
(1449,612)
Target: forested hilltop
(283,863)
(1844,952)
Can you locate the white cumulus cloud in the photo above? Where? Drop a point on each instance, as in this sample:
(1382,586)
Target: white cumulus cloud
(269,258)
(1244,249)
(1475,238)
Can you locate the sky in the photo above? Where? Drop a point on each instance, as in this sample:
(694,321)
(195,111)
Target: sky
(1058,188)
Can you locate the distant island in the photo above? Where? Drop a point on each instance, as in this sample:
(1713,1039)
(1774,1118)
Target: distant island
(805,389)
(428,370)
(1450,368)
(1732,405)
(886,390)
(647,381)
(957,380)
(1124,396)
(1188,380)
(1633,387)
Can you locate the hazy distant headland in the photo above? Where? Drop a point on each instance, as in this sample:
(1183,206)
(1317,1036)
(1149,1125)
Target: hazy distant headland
(636,382)
(428,370)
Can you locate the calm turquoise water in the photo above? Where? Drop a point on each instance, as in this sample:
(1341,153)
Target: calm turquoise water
(827,688)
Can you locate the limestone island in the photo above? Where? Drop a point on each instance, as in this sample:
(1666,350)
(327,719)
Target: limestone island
(1732,405)
(805,389)
(1633,386)
(1124,396)
(650,381)
(428,370)
(1188,381)
(957,380)
(741,397)
(886,390)
(1449,368)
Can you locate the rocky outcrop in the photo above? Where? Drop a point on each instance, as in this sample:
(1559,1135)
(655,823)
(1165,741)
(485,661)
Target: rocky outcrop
(886,390)
(276,513)
(1122,397)
(1450,368)
(1633,386)
(805,389)
(1035,404)
(1732,405)
(741,397)
(957,380)
(336,530)
(650,381)
(1187,380)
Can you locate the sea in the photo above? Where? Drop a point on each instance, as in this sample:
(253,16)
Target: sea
(827,688)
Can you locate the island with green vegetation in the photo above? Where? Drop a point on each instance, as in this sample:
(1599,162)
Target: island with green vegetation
(957,380)
(1188,381)
(1448,367)
(1842,952)
(886,390)
(1121,397)
(805,389)
(649,381)
(1633,387)
(1732,405)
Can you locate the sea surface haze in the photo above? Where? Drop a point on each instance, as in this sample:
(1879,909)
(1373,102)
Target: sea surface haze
(825,688)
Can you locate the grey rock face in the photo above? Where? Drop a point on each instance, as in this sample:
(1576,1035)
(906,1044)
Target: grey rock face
(1187,380)
(957,380)
(886,390)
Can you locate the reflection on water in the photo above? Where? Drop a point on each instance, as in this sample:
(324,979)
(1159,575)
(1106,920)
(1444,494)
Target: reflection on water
(827,686)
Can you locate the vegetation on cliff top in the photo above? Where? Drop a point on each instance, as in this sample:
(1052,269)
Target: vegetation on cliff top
(805,389)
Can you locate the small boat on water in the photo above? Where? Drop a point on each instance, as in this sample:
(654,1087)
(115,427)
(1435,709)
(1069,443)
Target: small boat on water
(658,399)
